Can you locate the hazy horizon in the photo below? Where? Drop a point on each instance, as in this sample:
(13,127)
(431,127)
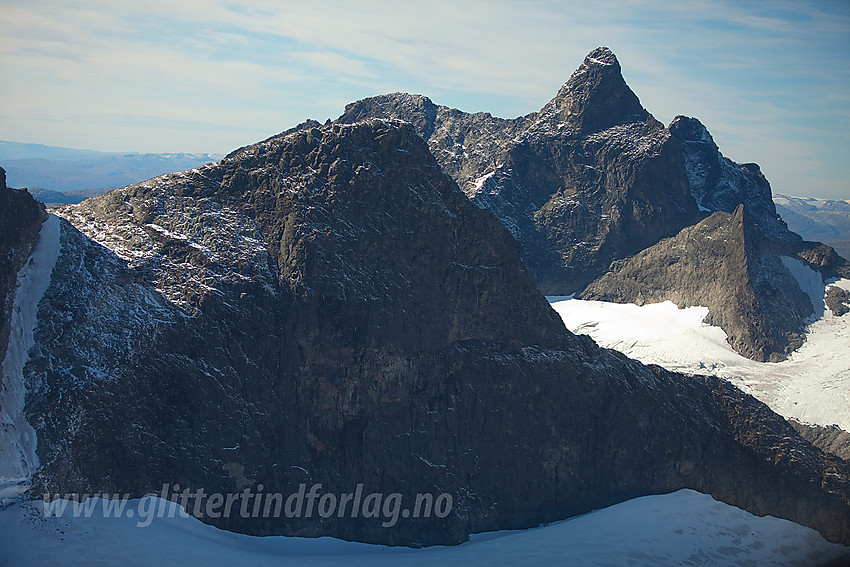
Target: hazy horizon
(771,82)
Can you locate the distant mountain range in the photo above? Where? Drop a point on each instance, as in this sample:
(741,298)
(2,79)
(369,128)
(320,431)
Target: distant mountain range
(58,175)
(823,220)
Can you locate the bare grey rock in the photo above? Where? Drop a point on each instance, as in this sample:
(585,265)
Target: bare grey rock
(837,300)
(719,184)
(727,264)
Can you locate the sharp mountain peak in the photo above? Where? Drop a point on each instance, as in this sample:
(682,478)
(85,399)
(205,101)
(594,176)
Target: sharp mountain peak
(596,96)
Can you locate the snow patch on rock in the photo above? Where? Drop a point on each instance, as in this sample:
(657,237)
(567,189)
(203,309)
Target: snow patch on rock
(810,281)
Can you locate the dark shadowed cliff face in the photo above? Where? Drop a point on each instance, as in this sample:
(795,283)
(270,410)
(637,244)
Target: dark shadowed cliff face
(328,307)
(591,178)
(20,220)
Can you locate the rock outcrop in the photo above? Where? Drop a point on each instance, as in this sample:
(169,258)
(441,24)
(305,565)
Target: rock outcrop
(20,220)
(328,307)
(719,184)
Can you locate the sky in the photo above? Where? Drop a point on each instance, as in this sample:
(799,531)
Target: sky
(770,80)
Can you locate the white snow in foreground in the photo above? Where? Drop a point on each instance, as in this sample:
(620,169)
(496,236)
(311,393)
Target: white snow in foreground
(812,386)
(682,528)
(17,437)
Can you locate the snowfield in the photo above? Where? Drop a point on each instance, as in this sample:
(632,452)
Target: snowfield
(682,528)
(812,386)
(17,437)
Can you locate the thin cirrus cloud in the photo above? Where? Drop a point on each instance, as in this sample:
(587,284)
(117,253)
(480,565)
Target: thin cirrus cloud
(770,80)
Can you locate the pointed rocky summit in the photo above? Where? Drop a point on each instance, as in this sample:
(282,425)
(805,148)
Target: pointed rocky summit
(596,96)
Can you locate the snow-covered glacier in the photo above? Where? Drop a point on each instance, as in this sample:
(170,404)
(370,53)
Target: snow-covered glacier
(812,386)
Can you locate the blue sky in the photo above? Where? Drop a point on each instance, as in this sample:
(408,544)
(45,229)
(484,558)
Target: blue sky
(771,80)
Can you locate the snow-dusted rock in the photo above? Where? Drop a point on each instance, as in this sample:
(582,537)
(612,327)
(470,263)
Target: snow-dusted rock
(327,307)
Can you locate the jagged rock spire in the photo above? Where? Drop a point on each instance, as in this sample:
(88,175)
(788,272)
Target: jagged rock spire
(596,96)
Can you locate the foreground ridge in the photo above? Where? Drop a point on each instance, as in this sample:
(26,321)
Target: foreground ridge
(327,307)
